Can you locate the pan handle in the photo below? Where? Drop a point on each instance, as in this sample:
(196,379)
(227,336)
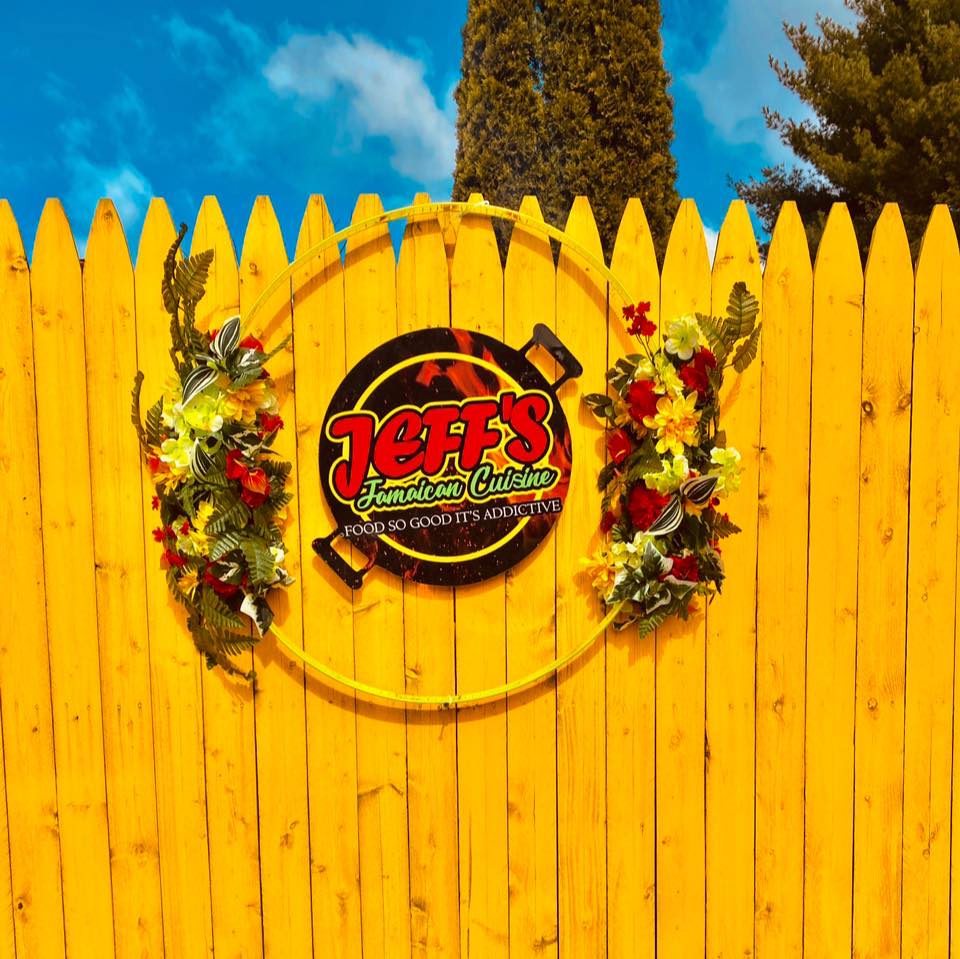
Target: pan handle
(545,337)
(323,547)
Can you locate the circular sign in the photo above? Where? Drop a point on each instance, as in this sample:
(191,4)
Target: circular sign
(445,456)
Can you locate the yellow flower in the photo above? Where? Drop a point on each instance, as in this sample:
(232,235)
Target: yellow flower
(600,570)
(205,511)
(675,422)
(189,582)
(243,403)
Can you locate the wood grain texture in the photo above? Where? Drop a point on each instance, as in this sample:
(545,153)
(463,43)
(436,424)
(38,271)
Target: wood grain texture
(529,295)
(581,724)
(476,303)
(630,669)
(882,592)
(174,663)
(931,594)
(279,705)
(25,704)
(832,589)
(320,349)
(371,318)
(117,508)
(681,884)
(781,587)
(230,755)
(68,561)
(429,659)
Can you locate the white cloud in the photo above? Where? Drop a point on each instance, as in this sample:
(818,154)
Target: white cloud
(193,47)
(711,236)
(737,80)
(386,92)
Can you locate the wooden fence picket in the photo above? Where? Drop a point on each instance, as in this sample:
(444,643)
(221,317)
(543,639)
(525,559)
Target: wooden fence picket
(429,660)
(781,586)
(680,697)
(319,348)
(371,317)
(529,296)
(931,592)
(882,589)
(230,755)
(774,777)
(832,589)
(25,704)
(111,352)
(174,664)
(476,304)
(68,560)
(631,669)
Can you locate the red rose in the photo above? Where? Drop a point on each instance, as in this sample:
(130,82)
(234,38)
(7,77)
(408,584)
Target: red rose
(644,506)
(642,399)
(606,524)
(236,469)
(637,317)
(256,488)
(694,374)
(251,343)
(619,446)
(685,568)
(219,587)
(270,423)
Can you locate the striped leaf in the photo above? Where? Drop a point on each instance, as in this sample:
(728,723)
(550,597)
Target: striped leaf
(698,489)
(227,338)
(668,521)
(196,381)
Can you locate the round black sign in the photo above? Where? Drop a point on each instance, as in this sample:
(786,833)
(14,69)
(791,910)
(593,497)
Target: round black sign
(445,456)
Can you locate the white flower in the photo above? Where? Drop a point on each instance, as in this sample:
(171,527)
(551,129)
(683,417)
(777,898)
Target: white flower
(672,474)
(729,473)
(683,337)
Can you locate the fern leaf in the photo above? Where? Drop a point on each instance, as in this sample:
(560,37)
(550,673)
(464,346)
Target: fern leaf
(225,544)
(191,275)
(135,409)
(742,311)
(233,514)
(712,329)
(170,298)
(259,560)
(216,613)
(747,350)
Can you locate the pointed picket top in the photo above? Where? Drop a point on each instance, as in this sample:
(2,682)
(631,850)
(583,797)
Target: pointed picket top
(634,263)
(476,263)
(582,227)
(315,225)
(789,249)
(889,246)
(107,239)
(10,240)
(426,230)
(938,249)
(685,278)
(423,297)
(221,298)
(737,246)
(526,243)
(54,241)
(157,234)
(838,252)
(13,257)
(368,205)
(262,257)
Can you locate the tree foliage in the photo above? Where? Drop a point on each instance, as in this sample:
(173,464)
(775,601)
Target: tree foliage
(885,94)
(566,97)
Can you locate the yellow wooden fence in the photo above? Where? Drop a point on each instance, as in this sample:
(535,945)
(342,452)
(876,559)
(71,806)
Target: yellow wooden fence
(773,779)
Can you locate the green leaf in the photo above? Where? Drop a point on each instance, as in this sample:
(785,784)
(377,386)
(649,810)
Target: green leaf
(259,560)
(647,624)
(227,338)
(742,311)
(135,409)
(190,276)
(723,527)
(596,401)
(154,423)
(747,350)
(196,381)
(605,476)
(644,459)
(233,514)
(216,613)
(225,544)
(712,330)
(170,298)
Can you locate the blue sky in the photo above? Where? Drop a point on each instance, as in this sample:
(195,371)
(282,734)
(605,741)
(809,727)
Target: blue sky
(138,100)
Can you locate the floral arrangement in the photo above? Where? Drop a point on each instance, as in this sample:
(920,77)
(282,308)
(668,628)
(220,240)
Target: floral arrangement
(220,490)
(669,466)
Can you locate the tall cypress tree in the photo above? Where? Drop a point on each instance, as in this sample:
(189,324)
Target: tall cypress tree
(886,99)
(499,106)
(561,97)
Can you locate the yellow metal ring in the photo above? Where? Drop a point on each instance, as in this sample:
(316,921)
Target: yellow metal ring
(477,697)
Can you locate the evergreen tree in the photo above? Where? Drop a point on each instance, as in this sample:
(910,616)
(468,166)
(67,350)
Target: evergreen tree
(886,95)
(561,97)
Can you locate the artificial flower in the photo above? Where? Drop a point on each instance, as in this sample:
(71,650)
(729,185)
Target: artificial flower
(695,375)
(204,412)
(683,337)
(176,451)
(218,586)
(673,473)
(256,488)
(685,568)
(174,558)
(251,343)
(244,402)
(236,468)
(728,461)
(637,317)
(619,446)
(269,423)
(642,399)
(189,582)
(644,506)
(676,423)
(601,571)
(205,511)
